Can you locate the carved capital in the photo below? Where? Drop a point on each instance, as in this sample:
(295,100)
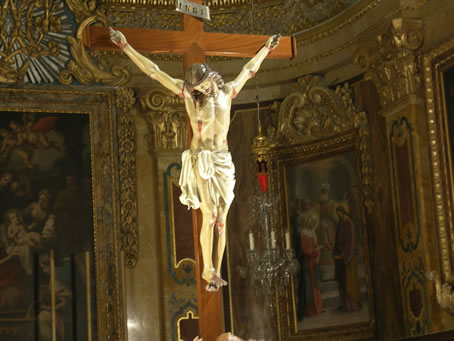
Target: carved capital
(127,169)
(165,114)
(390,61)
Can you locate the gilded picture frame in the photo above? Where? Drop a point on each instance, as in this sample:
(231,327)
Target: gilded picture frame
(318,133)
(315,181)
(105,257)
(439,92)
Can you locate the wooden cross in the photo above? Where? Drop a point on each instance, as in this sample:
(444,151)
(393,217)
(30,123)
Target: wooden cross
(194,44)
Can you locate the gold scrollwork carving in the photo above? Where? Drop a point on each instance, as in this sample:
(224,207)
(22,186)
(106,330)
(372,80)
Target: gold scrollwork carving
(28,32)
(84,69)
(230,15)
(316,112)
(82,9)
(128,199)
(390,61)
(166,118)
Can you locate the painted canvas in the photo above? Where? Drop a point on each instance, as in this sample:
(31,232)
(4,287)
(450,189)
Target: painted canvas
(448,78)
(324,218)
(46,227)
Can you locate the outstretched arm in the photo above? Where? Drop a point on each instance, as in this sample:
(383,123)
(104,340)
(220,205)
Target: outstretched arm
(145,64)
(253,65)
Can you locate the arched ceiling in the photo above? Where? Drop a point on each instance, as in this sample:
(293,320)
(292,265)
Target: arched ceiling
(230,16)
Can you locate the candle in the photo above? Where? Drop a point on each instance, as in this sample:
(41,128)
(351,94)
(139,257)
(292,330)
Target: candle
(52,295)
(273,240)
(287,240)
(88,292)
(251,241)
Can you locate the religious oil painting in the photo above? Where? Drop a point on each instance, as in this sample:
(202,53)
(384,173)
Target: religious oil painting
(448,79)
(46,229)
(331,291)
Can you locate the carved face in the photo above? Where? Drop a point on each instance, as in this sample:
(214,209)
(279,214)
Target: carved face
(207,87)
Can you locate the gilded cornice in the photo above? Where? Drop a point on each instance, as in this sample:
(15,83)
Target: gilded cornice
(390,61)
(230,16)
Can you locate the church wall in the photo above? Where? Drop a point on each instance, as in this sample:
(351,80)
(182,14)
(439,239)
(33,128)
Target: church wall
(338,66)
(384,260)
(144,281)
(149,288)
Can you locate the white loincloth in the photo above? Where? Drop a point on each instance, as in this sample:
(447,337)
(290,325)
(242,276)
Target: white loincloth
(216,168)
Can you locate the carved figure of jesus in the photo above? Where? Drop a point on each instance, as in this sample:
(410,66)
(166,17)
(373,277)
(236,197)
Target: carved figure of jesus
(207,176)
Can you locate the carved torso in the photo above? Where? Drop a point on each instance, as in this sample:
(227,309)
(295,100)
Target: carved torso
(210,120)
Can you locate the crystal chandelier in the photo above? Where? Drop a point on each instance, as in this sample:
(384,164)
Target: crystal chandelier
(271,269)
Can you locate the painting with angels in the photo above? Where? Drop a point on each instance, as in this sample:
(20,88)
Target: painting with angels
(46,226)
(324,217)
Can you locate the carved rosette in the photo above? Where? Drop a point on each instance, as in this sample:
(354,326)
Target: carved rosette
(127,168)
(391,61)
(317,112)
(166,118)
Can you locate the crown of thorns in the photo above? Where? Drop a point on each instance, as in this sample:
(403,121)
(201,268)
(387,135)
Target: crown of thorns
(197,73)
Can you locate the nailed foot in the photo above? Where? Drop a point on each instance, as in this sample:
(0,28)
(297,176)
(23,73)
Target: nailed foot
(214,283)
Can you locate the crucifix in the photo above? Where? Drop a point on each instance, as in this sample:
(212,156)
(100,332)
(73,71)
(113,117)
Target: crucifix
(207,175)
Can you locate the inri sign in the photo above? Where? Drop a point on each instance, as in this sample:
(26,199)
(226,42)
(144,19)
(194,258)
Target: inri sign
(190,8)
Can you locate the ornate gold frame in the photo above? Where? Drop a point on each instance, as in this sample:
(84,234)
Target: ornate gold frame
(287,319)
(436,62)
(316,122)
(108,188)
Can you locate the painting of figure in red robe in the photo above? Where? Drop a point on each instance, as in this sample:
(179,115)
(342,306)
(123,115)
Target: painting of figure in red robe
(46,217)
(331,288)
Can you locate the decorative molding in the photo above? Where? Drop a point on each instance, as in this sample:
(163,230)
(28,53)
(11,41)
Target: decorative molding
(415,299)
(316,112)
(404,185)
(110,315)
(231,16)
(33,48)
(165,114)
(182,271)
(128,177)
(84,69)
(178,309)
(435,61)
(390,61)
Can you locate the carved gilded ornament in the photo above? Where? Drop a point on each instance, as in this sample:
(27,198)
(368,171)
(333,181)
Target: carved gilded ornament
(316,112)
(110,314)
(33,47)
(391,62)
(165,114)
(83,67)
(127,162)
(230,16)
(82,9)
(436,62)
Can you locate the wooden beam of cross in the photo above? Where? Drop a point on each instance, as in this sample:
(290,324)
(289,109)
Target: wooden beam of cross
(182,42)
(194,44)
